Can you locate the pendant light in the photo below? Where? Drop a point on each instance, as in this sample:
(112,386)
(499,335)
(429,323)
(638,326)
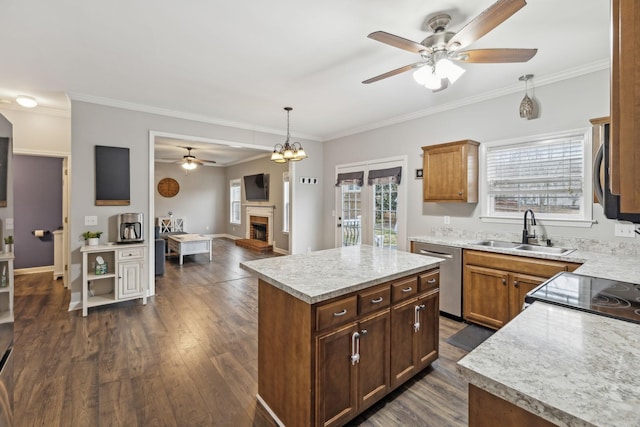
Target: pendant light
(283,153)
(527,105)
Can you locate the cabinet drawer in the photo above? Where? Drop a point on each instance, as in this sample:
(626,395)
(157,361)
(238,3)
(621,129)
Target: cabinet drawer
(336,313)
(133,253)
(525,265)
(404,288)
(374,299)
(429,280)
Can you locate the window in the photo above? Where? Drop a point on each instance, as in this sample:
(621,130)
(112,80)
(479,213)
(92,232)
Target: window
(546,175)
(285,202)
(234,201)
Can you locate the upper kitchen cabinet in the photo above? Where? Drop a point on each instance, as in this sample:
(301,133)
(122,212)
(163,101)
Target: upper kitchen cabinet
(625,108)
(451,172)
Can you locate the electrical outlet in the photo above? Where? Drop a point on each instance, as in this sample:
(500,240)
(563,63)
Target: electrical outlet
(8,223)
(623,229)
(90,220)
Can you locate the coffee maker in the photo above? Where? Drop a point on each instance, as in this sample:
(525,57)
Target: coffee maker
(130,228)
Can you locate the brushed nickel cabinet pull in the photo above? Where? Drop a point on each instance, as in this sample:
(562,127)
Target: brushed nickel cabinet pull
(340,313)
(377,300)
(409,289)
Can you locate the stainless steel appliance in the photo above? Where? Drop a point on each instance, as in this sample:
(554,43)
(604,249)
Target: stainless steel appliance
(6,374)
(450,275)
(610,202)
(611,298)
(130,228)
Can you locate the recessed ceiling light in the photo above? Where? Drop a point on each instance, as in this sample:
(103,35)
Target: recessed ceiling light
(26,101)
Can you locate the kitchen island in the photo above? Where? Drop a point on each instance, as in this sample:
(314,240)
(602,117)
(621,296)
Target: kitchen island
(553,365)
(339,329)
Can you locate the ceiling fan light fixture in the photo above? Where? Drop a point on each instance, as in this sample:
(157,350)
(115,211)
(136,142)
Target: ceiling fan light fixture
(423,74)
(189,165)
(433,82)
(446,69)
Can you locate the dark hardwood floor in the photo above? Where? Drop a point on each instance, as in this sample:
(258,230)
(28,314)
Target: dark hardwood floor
(187,358)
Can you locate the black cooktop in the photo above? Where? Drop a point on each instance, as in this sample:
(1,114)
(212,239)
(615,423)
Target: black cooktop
(620,300)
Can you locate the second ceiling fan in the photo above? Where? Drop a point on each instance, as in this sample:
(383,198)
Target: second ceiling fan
(441,50)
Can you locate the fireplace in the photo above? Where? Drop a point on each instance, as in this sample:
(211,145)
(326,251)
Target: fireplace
(259,220)
(259,228)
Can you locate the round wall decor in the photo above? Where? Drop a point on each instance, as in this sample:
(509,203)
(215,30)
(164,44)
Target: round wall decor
(168,187)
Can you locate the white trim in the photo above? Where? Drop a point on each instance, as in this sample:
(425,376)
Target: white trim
(151,285)
(48,111)
(40,153)
(587,216)
(33,270)
(181,115)
(514,88)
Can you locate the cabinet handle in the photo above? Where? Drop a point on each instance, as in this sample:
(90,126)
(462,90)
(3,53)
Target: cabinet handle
(431,281)
(355,348)
(416,317)
(409,289)
(515,283)
(340,313)
(377,300)
(504,281)
(459,193)
(364,332)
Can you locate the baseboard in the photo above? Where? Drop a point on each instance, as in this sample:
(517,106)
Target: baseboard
(33,270)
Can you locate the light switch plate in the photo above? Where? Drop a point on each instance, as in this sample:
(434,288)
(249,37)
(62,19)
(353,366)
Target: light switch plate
(8,223)
(90,220)
(625,230)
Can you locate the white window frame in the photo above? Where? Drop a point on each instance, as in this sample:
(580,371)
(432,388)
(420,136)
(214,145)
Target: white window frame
(232,184)
(587,213)
(286,202)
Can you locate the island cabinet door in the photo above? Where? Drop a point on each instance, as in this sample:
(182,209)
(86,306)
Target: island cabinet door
(428,330)
(403,351)
(486,296)
(521,284)
(373,365)
(336,399)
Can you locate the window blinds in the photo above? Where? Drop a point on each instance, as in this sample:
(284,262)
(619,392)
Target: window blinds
(385,176)
(350,178)
(545,175)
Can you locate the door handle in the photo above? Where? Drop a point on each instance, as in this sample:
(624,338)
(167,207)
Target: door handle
(355,348)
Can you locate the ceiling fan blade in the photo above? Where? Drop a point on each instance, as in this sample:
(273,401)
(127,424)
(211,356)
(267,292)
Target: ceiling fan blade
(487,20)
(393,72)
(489,56)
(396,41)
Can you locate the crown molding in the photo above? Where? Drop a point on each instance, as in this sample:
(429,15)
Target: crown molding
(38,109)
(507,90)
(180,115)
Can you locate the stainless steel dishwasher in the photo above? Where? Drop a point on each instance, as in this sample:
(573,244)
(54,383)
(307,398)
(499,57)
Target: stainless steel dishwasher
(450,275)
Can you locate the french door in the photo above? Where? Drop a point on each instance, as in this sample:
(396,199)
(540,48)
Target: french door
(370,209)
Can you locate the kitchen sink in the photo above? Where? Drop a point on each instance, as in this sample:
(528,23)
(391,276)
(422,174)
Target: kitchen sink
(554,250)
(544,249)
(497,244)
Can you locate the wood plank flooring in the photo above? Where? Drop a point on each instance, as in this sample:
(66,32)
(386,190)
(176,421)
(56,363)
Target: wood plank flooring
(187,358)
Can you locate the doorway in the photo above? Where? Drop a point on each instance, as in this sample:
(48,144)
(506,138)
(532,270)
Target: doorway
(371,204)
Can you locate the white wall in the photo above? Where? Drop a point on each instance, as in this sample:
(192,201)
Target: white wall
(6,131)
(35,132)
(94,124)
(201,200)
(565,105)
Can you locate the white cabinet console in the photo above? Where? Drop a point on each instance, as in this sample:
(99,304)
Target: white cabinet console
(113,273)
(6,287)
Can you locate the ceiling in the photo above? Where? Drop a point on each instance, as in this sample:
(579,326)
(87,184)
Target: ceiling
(240,62)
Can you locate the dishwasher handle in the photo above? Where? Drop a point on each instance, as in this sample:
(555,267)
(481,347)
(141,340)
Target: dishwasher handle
(435,254)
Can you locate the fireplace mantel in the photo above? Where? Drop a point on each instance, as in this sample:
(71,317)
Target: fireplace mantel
(263,211)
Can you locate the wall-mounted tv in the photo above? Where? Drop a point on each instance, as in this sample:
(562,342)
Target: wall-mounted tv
(256,187)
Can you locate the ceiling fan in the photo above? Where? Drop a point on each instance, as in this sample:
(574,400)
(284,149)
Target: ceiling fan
(189,161)
(440,50)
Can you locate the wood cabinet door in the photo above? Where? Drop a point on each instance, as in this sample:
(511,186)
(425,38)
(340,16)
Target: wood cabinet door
(403,364)
(335,387)
(486,296)
(130,280)
(520,285)
(373,368)
(428,334)
(445,174)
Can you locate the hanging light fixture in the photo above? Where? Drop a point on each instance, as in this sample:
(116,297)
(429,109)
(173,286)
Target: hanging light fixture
(189,165)
(527,105)
(283,153)
(438,71)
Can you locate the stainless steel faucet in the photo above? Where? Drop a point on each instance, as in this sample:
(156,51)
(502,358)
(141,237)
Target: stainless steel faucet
(525,232)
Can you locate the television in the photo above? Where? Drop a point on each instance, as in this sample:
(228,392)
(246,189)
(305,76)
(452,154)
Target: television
(256,187)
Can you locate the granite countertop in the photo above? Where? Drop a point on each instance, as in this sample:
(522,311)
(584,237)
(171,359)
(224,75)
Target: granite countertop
(569,367)
(317,276)
(611,265)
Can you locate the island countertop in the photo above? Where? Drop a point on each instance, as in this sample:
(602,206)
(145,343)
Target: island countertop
(318,276)
(569,367)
